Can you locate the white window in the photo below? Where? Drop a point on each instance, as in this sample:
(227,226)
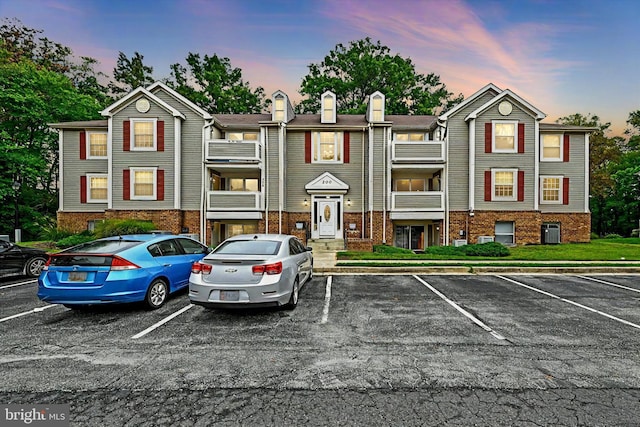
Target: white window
(243,184)
(143,134)
(412,137)
(278,109)
(97,142)
(504,232)
(504,184)
(327,147)
(551,189)
(328,106)
(377,108)
(505,135)
(410,184)
(143,183)
(551,147)
(242,136)
(97,185)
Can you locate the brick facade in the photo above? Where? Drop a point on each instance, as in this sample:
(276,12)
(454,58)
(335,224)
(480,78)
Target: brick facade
(77,222)
(574,227)
(170,220)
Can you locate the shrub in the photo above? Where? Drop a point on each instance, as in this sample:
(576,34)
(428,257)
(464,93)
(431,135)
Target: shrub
(386,249)
(613,236)
(594,236)
(491,249)
(75,239)
(117,227)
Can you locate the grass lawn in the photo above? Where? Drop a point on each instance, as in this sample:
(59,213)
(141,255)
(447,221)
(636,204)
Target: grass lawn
(597,250)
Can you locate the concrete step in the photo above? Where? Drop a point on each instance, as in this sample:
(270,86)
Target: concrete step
(326,244)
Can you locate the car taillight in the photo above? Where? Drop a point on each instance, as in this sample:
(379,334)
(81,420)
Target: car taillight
(118,263)
(200,267)
(275,268)
(46,266)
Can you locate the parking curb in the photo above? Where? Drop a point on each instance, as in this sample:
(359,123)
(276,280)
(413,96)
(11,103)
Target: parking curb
(475,270)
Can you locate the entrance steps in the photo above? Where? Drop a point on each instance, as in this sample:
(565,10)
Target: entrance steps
(326,245)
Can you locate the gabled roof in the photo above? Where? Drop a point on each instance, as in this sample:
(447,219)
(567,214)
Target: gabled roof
(110,110)
(185,101)
(506,93)
(326,182)
(470,99)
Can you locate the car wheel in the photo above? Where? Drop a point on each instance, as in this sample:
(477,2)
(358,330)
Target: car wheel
(156,294)
(295,293)
(34,266)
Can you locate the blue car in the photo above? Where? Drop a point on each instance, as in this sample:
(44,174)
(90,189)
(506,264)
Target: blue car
(121,269)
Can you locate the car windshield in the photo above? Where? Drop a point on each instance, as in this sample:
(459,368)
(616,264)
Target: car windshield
(249,247)
(103,247)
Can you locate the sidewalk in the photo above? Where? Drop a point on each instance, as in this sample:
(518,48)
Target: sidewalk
(325,262)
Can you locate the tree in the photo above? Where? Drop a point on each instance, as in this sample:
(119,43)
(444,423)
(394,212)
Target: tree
(604,154)
(356,71)
(217,87)
(31,97)
(87,80)
(130,74)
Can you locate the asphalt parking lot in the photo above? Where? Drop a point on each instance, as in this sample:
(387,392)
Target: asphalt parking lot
(358,350)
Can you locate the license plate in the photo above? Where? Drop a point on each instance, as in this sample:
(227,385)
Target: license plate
(229,295)
(77,276)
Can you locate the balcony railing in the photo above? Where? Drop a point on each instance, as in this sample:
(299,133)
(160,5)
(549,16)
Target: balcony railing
(233,151)
(233,201)
(417,152)
(417,201)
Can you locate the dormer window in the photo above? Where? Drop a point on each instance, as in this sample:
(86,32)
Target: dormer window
(279,108)
(376,107)
(328,107)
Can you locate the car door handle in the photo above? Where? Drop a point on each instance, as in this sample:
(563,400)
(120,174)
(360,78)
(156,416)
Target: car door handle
(166,265)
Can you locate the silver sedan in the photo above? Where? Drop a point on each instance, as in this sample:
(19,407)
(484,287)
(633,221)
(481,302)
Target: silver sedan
(252,270)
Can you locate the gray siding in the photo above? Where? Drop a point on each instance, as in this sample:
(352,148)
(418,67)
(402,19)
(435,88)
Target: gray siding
(521,161)
(299,173)
(272,173)
(73,168)
(191,152)
(379,172)
(574,170)
(126,159)
(458,161)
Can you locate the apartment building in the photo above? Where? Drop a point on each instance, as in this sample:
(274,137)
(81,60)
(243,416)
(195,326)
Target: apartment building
(487,169)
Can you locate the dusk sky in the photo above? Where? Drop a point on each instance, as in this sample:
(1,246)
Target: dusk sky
(562,56)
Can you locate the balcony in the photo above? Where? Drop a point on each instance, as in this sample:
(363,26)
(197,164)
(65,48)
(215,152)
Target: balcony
(417,205)
(224,150)
(234,201)
(417,152)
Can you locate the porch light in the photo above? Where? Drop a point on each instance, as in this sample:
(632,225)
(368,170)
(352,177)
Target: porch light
(348,202)
(306,202)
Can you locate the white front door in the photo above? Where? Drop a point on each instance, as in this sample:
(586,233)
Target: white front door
(327,218)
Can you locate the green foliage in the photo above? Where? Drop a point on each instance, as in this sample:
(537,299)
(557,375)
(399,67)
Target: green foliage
(117,227)
(386,249)
(613,236)
(130,74)
(594,236)
(74,239)
(490,249)
(213,84)
(358,70)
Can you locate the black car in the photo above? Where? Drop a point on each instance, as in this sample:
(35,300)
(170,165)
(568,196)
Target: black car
(16,259)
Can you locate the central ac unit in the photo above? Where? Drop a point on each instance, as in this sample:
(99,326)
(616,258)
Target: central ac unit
(459,242)
(485,239)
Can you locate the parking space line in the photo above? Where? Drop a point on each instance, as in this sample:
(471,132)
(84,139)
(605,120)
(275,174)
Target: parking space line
(593,310)
(162,322)
(35,310)
(609,283)
(327,300)
(18,284)
(461,310)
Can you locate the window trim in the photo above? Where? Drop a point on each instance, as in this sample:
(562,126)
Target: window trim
(560,190)
(425,137)
(333,108)
(411,180)
(132,133)
(494,149)
(338,143)
(96,175)
(560,147)
(277,111)
(88,142)
(374,111)
(512,234)
(132,184)
(494,197)
(244,184)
